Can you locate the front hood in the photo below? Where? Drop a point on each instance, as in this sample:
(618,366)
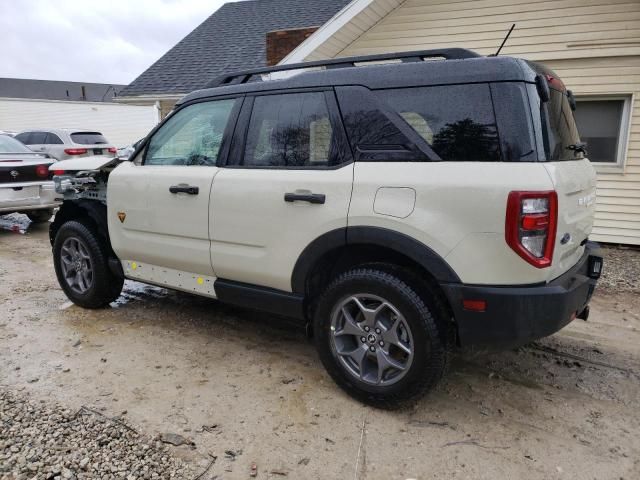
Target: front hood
(84,163)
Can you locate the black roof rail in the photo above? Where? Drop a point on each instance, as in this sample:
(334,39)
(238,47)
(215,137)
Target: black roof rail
(415,56)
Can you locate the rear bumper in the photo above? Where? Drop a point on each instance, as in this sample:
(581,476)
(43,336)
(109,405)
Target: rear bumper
(516,315)
(11,200)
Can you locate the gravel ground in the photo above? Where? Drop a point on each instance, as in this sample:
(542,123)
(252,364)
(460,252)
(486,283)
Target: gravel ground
(621,269)
(46,441)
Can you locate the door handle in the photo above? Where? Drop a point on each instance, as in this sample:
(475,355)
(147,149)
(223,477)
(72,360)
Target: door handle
(318,198)
(191,190)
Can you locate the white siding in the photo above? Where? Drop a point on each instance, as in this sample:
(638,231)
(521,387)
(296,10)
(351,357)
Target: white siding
(594,46)
(120,124)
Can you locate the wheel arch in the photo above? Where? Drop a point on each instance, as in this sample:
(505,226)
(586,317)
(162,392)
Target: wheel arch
(96,212)
(345,247)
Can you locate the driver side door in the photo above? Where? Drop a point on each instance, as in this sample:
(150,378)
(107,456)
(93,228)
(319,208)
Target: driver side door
(158,205)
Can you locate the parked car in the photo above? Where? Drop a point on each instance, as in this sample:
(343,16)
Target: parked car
(63,143)
(398,210)
(25,181)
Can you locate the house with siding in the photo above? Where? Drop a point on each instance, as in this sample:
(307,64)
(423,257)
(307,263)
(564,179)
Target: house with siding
(594,46)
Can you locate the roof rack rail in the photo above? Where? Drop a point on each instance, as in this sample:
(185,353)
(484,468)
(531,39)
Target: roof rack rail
(415,56)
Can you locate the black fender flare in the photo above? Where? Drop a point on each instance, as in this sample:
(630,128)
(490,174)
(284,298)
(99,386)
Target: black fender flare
(365,235)
(74,209)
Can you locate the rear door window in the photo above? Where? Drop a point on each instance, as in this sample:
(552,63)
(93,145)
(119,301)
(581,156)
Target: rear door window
(88,138)
(53,139)
(37,138)
(291,130)
(457,121)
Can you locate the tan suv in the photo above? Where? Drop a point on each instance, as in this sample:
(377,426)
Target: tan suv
(400,210)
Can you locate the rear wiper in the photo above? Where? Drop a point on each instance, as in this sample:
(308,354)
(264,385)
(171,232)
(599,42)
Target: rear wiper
(578,148)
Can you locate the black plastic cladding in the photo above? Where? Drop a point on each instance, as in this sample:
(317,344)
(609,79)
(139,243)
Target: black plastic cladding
(394,75)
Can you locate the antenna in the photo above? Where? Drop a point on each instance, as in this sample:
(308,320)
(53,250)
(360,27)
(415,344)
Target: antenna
(505,40)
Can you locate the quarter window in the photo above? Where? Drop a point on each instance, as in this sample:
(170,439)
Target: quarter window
(290,130)
(603,123)
(457,121)
(192,136)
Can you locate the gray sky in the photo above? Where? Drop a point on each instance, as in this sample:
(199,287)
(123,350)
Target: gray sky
(107,41)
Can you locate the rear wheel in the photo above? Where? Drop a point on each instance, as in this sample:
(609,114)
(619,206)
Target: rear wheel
(380,340)
(81,263)
(40,216)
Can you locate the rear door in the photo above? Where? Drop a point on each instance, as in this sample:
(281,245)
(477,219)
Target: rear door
(574,180)
(158,205)
(288,181)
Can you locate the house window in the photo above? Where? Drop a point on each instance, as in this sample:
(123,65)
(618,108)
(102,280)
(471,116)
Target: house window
(603,123)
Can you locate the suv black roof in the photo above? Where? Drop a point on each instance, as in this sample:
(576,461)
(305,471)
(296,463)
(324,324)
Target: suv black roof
(458,66)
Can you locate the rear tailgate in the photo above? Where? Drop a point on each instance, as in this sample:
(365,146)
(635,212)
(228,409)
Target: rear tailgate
(575,184)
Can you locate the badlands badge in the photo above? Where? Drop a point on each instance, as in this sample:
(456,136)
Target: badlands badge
(122,216)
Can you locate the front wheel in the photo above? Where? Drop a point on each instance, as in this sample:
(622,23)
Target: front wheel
(380,341)
(81,263)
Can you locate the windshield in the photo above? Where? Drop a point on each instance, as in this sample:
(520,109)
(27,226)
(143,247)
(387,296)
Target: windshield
(11,145)
(559,131)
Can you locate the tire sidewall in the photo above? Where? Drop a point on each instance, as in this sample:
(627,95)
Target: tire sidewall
(428,347)
(91,298)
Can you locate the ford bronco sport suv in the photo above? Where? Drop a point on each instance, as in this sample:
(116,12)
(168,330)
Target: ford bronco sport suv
(398,209)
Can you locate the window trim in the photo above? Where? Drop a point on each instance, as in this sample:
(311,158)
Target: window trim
(625,130)
(238,142)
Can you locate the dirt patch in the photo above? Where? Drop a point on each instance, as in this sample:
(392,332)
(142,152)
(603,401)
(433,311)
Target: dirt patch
(248,388)
(621,269)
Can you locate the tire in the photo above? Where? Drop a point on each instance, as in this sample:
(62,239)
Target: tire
(97,286)
(418,321)
(40,216)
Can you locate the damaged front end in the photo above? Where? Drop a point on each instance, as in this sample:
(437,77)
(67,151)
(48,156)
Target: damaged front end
(83,178)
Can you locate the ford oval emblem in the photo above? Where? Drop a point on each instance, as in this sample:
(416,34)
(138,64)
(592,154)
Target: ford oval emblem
(565,238)
(14,173)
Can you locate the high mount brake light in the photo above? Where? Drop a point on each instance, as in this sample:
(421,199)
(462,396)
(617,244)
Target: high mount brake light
(531,224)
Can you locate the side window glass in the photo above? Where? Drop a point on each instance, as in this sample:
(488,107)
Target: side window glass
(290,130)
(53,139)
(457,121)
(191,136)
(24,137)
(38,138)
(378,133)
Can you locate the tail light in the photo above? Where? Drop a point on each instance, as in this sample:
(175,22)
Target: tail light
(58,172)
(112,150)
(75,151)
(531,226)
(42,171)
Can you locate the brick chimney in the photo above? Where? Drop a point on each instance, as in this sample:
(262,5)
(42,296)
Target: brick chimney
(281,42)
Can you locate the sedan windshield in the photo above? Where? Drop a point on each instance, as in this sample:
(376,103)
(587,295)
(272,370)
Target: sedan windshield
(11,145)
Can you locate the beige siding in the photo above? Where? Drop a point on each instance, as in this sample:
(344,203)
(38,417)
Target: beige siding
(598,54)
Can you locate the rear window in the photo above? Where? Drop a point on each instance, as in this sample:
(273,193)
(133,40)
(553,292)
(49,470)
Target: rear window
(559,131)
(457,121)
(88,138)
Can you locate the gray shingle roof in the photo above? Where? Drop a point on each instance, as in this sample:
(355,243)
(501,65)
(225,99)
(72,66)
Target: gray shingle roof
(233,38)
